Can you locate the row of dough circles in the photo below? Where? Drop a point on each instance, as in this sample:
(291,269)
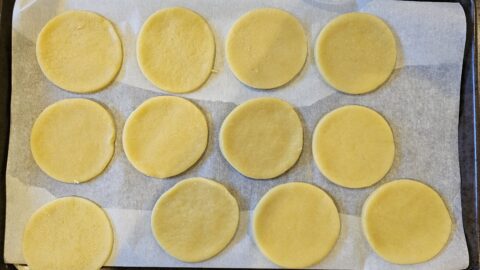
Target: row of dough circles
(288,228)
(261,138)
(266,48)
(295,225)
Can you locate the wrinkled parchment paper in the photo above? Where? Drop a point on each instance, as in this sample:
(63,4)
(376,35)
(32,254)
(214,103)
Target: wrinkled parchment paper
(420,101)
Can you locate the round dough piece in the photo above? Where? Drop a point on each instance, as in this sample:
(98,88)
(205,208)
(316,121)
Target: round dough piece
(68,233)
(406,222)
(165,136)
(79,51)
(356,53)
(195,219)
(353,146)
(266,48)
(262,138)
(73,140)
(176,50)
(295,225)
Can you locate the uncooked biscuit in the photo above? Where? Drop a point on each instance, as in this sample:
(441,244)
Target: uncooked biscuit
(176,50)
(262,138)
(165,136)
(195,220)
(266,48)
(73,140)
(406,222)
(68,233)
(79,51)
(356,53)
(295,225)
(353,146)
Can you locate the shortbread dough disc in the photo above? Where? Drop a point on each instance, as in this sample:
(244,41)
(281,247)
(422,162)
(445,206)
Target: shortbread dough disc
(356,53)
(73,140)
(165,136)
(176,50)
(406,222)
(195,220)
(353,146)
(295,225)
(266,48)
(79,51)
(69,233)
(262,138)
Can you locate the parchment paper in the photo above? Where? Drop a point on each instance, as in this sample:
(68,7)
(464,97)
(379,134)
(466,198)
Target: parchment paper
(420,101)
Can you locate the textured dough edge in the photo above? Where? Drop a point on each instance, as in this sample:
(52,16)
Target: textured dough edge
(103,86)
(233,28)
(179,185)
(260,205)
(83,200)
(156,84)
(146,102)
(367,203)
(239,107)
(316,158)
(112,141)
(322,71)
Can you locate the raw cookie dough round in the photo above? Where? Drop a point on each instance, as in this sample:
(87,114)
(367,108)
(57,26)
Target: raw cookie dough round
(262,138)
(353,146)
(165,136)
(73,140)
(79,51)
(406,222)
(266,48)
(176,50)
(68,233)
(195,219)
(356,53)
(295,225)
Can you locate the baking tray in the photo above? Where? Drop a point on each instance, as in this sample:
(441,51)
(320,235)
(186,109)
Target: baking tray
(468,128)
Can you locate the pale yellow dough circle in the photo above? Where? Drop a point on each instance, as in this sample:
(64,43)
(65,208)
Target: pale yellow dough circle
(176,50)
(262,138)
(356,53)
(295,225)
(266,48)
(73,140)
(406,222)
(195,219)
(353,146)
(79,51)
(165,136)
(68,233)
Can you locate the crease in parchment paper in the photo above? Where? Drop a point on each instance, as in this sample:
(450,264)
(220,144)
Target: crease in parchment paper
(420,101)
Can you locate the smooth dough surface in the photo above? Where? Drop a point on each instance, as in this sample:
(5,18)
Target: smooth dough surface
(266,48)
(356,53)
(176,50)
(195,219)
(353,146)
(262,138)
(406,222)
(295,225)
(79,51)
(165,136)
(73,140)
(69,233)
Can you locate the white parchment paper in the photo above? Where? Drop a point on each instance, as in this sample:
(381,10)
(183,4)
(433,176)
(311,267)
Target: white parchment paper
(420,101)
